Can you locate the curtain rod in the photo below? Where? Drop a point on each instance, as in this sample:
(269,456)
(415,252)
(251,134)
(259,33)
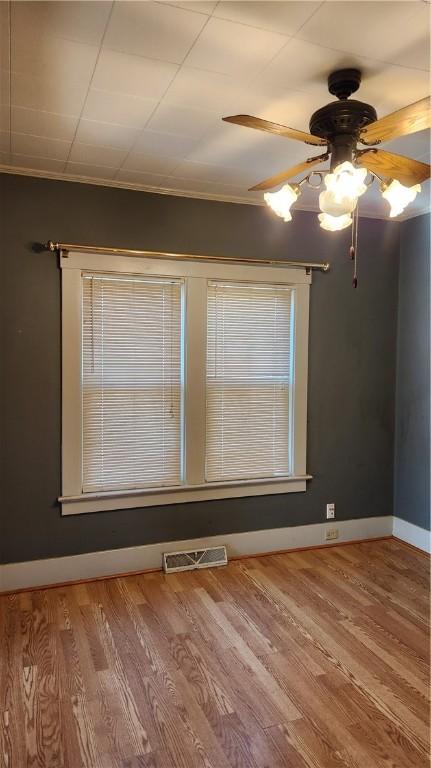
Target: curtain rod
(58,247)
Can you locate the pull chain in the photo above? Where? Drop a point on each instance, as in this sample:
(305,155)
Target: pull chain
(354,246)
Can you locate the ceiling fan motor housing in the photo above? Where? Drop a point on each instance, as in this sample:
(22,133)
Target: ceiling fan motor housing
(341,121)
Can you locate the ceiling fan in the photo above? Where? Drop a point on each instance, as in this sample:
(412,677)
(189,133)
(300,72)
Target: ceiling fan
(339,127)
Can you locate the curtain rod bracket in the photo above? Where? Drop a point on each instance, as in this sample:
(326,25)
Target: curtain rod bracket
(63,248)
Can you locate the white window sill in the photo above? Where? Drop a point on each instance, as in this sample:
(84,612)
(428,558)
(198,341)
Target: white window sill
(152,497)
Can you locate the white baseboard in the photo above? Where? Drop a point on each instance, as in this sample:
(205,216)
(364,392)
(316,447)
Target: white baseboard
(91,565)
(412,534)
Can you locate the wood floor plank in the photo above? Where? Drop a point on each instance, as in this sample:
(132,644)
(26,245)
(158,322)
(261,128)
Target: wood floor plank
(12,710)
(314,659)
(332,640)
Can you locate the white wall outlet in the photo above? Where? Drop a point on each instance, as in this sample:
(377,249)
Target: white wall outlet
(331,533)
(330,511)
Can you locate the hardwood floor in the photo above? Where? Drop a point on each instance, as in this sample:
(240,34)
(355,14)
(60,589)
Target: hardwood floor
(313,659)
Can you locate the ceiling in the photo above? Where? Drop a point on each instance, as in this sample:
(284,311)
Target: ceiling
(132,93)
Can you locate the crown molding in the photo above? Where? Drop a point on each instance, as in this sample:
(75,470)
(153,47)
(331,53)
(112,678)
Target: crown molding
(17,171)
(53,176)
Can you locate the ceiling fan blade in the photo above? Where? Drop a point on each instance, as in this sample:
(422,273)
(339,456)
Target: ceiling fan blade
(392,166)
(280,130)
(274,181)
(415,117)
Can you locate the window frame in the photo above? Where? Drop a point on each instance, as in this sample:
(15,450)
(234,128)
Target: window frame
(196,276)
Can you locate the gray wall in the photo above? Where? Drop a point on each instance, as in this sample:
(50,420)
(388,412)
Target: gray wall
(351,369)
(412,443)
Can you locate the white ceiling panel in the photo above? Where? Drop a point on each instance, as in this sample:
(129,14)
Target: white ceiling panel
(118,108)
(4,141)
(210,91)
(286,18)
(106,134)
(4,86)
(183,121)
(187,169)
(154,30)
(46,124)
(164,144)
(39,146)
(136,177)
(357,28)
(90,171)
(46,164)
(304,66)
(135,75)
(233,49)
(391,88)
(46,94)
(135,92)
(60,61)
(230,190)
(4,117)
(206,6)
(137,161)
(4,35)
(234,146)
(186,185)
(79,20)
(88,154)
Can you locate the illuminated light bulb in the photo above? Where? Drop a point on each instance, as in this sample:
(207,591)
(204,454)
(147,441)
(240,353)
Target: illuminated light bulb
(282,201)
(398,196)
(334,223)
(343,187)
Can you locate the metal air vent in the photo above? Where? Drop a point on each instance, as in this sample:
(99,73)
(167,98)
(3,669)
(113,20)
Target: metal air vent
(189,560)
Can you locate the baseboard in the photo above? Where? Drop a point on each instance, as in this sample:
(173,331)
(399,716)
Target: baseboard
(418,537)
(93,565)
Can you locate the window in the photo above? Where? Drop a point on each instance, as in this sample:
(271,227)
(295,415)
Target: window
(131,382)
(249,380)
(182,381)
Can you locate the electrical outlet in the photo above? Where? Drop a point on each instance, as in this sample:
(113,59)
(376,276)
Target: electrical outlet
(330,511)
(331,533)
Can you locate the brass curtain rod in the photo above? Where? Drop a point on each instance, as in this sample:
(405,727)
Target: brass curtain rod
(58,247)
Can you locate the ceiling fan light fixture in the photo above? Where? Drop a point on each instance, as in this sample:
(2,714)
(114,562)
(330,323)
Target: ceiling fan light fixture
(398,196)
(334,223)
(343,188)
(282,200)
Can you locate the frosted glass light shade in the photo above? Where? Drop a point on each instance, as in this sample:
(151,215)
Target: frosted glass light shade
(334,223)
(343,187)
(398,196)
(282,200)
(335,205)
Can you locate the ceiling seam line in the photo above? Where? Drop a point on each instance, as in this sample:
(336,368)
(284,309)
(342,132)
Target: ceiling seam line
(89,84)
(180,64)
(271,31)
(289,39)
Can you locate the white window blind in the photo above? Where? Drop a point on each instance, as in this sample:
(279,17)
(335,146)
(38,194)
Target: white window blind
(250,332)
(131,382)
